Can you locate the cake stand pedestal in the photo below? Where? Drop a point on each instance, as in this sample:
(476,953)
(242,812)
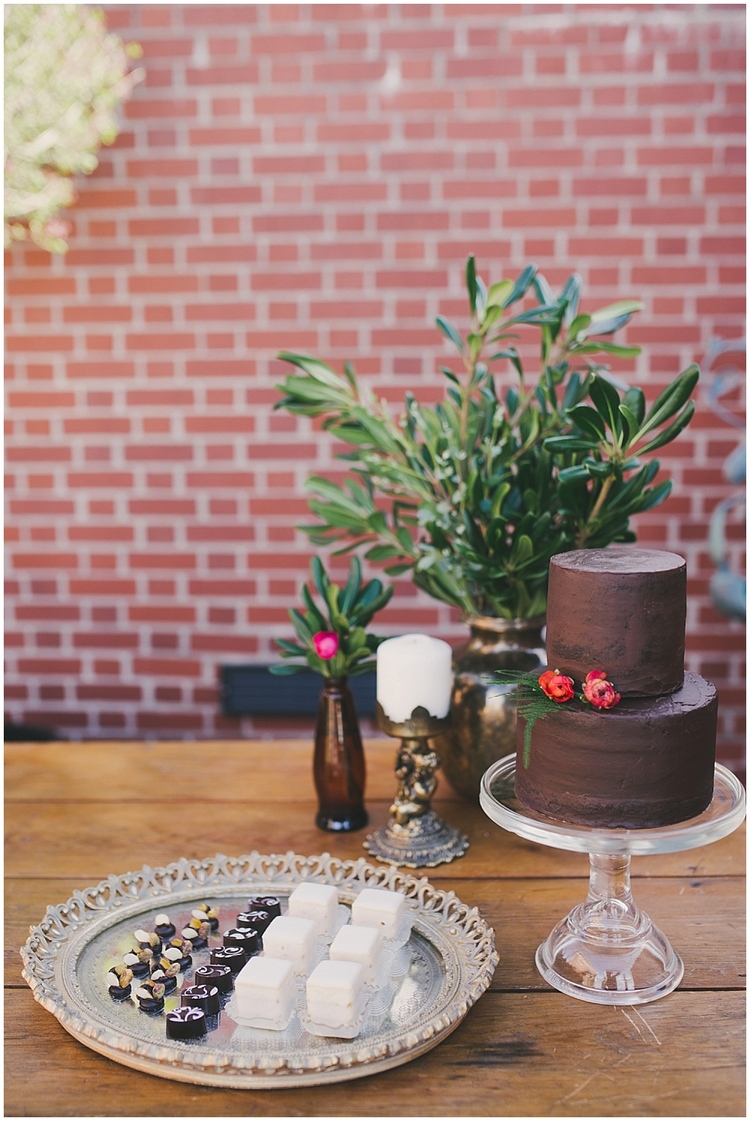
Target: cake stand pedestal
(607,950)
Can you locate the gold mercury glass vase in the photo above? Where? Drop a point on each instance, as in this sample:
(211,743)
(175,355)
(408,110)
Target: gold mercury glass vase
(483,709)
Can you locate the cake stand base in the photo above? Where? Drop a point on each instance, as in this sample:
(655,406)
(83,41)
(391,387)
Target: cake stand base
(607,950)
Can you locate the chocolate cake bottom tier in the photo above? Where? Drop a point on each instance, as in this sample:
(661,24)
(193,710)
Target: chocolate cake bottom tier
(646,763)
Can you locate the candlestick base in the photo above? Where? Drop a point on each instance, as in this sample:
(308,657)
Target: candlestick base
(416,836)
(424,842)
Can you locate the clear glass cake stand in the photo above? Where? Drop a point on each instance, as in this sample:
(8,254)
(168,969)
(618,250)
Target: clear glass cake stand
(607,950)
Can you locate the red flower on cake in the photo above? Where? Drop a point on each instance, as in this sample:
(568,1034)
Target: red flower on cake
(557,686)
(598,691)
(326,644)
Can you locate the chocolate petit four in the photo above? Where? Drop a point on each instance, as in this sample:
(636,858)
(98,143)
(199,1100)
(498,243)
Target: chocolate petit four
(234,956)
(219,975)
(270,903)
(205,997)
(257,919)
(187,1022)
(118,979)
(150,996)
(246,937)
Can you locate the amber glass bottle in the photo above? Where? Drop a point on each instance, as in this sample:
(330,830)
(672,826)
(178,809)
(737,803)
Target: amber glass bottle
(339,760)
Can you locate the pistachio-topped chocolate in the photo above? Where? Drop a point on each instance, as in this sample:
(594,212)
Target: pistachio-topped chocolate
(196,932)
(164,927)
(206,911)
(119,981)
(150,996)
(139,960)
(184,948)
(148,940)
(165,970)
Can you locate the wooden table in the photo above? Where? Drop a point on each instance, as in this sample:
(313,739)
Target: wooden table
(77,812)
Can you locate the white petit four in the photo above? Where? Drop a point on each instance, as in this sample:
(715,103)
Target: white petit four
(293,939)
(318,902)
(383,909)
(364,944)
(336,995)
(266,992)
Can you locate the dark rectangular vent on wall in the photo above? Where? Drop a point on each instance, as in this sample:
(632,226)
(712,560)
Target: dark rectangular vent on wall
(254,691)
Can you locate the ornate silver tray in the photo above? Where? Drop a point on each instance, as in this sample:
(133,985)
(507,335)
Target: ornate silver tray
(451,950)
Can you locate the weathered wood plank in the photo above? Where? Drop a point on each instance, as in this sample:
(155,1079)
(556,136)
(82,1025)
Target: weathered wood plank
(269,771)
(704,919)
(534,1054)
(150,782)
(78,840)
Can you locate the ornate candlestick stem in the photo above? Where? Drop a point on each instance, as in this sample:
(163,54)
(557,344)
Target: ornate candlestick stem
(415,836)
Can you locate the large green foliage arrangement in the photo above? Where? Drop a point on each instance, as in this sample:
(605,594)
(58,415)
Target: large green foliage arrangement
(474,495)
(64,79)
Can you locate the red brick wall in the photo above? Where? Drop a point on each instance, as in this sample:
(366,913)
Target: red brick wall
(312,177)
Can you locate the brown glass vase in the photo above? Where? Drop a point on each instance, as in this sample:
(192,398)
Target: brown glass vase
(339,761)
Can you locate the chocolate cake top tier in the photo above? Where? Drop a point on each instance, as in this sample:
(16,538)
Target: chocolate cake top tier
(621,610)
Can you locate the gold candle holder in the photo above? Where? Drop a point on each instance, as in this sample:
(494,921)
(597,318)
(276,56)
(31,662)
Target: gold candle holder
(415,836)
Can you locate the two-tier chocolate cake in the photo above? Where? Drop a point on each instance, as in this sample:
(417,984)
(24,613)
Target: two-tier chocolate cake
(648,760)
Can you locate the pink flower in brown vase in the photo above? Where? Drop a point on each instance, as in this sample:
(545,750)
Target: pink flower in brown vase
(326,644)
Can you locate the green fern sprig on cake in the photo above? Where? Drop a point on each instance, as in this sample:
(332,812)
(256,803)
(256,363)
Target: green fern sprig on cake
(539,695)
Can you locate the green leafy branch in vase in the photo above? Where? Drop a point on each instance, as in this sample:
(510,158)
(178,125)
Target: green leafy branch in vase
(331,637)
(474,495)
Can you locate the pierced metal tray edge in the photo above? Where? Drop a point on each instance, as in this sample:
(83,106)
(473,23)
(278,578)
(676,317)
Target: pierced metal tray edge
(438,915)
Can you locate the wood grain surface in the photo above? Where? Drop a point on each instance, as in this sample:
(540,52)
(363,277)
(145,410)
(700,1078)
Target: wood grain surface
(77,812)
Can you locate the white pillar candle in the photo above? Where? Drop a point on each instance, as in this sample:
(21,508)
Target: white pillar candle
(414,670)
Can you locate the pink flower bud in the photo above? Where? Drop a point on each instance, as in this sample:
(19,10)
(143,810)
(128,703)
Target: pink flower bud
(598,691)
(326,644)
